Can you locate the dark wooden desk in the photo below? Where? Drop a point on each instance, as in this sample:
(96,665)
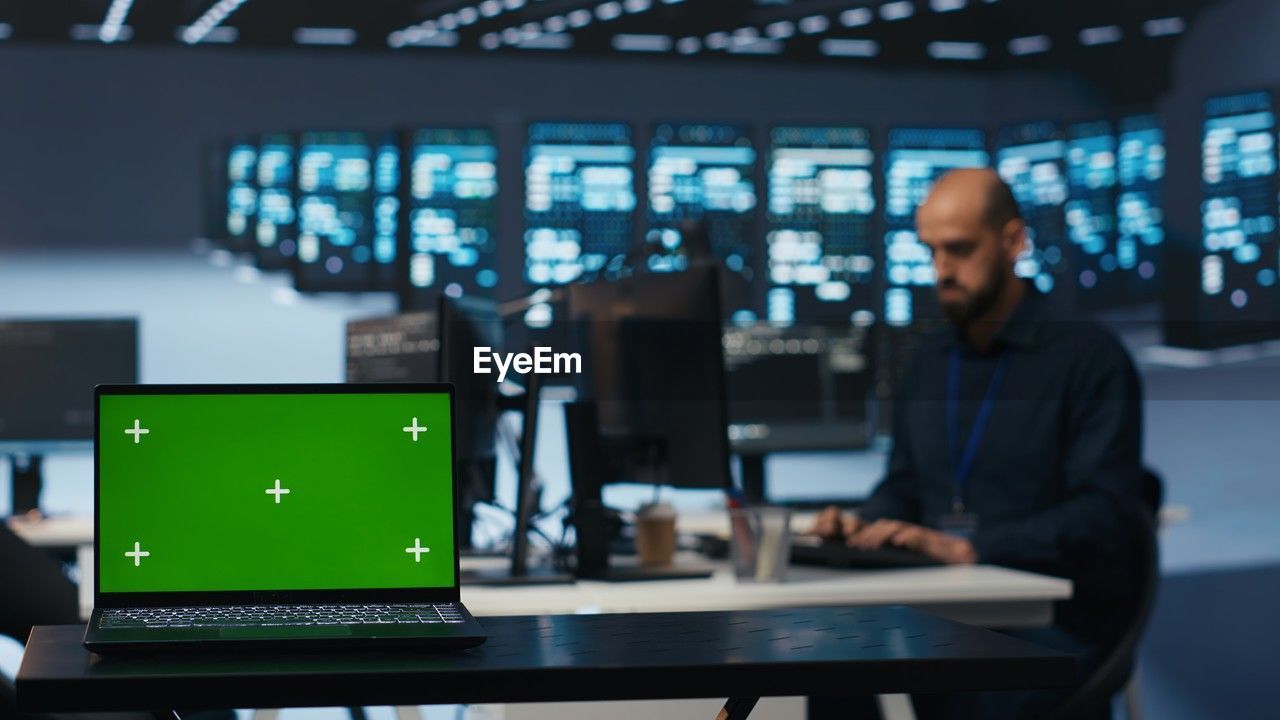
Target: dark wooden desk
(739,655)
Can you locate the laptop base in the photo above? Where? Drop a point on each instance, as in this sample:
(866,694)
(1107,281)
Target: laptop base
(292,638)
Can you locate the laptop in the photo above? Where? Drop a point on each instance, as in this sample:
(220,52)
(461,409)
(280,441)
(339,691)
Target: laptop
(276,515)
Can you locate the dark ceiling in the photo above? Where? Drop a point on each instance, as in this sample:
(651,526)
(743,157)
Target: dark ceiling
(1090,37)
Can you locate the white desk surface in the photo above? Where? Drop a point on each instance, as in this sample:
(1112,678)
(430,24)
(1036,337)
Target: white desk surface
(983,594)
(67,531)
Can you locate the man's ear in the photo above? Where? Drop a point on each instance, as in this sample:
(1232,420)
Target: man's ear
(1014,237)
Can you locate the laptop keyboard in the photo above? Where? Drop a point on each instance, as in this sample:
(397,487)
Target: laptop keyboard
(279,615)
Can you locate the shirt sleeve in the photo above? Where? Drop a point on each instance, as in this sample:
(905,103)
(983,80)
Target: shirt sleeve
(1084,536)
(897,497)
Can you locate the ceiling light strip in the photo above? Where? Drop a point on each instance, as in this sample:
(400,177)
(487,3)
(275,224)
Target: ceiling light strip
(109,31)
(212,18)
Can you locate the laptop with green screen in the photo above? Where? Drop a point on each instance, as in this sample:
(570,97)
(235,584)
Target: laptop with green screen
(276,514)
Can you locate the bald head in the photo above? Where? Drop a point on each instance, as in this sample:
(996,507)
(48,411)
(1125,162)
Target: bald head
(970,222)
(976,192)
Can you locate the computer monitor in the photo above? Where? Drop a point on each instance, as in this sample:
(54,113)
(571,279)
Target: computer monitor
(1101,261)
(1236,297)
(652,399)
(1031,158)
(48,369)
(701,171)
(274,226)
(821,255)
(653,365)
(467,323)
(241,194)
(914,160)
(335,212)
(797,388)
(579,201)
(396,348)
(1139,204)
(451,238)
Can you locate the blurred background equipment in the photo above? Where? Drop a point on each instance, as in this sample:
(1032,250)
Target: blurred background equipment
(48,369)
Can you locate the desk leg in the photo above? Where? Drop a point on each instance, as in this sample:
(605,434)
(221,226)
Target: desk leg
(737,708)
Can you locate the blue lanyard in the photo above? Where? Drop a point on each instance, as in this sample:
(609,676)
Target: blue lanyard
(962,461)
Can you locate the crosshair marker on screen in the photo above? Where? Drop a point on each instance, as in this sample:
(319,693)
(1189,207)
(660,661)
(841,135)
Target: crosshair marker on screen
(278,491)
(414,428)
(137,431)
(417,550)
(137,554)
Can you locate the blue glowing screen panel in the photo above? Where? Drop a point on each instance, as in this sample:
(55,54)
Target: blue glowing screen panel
(579,200)
(1031,158)
(1139,210)
(452,215)
(1091,215)
(386,210)
(702,172)
(335,212)
(915,158)
(242,195)
(819,247)
(1238,212)
(274,229)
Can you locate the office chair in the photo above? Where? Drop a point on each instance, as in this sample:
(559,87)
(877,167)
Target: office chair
(36,592)
(1093,697)
(33,588)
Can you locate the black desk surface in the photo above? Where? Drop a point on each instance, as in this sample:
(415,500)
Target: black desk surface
(822,651)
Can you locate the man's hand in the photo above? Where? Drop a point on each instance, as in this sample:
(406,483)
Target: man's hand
(937,545)
(834,525)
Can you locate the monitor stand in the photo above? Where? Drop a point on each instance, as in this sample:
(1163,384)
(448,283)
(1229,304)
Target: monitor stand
(593,522)
(519,572)
(753,482)
(26,483)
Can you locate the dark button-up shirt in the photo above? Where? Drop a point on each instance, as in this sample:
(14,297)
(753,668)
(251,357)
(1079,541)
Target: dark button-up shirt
(1058,468)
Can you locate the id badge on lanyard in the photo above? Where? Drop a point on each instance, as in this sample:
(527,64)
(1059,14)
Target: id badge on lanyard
(960,521)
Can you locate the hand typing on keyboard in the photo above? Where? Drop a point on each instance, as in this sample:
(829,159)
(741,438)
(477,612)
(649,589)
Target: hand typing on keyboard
(832,524)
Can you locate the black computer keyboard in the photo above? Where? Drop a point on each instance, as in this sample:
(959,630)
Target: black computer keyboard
(279,615)
(808,550)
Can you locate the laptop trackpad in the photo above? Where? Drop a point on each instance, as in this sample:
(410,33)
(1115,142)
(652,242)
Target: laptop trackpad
(285,632)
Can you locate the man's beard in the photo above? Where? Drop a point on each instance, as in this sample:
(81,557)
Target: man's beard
(964,312)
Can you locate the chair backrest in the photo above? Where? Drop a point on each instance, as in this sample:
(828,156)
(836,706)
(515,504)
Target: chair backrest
(1113,672)
(33,588)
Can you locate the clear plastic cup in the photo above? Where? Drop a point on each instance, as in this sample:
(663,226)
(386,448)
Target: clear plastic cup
(760,543)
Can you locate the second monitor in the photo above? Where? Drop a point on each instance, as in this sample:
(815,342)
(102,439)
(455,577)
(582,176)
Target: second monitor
(653,406)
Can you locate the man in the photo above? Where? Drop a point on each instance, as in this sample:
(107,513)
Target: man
(1016,437)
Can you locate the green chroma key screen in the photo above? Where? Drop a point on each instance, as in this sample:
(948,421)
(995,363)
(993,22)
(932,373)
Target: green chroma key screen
(210,492)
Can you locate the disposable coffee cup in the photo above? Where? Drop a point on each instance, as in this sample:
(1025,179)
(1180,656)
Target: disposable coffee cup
(656,535)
